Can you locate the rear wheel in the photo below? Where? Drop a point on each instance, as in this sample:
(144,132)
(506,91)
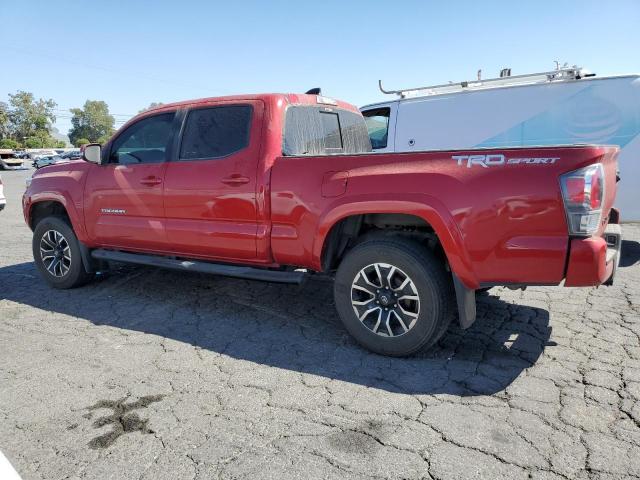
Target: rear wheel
(394,296)
(56,252)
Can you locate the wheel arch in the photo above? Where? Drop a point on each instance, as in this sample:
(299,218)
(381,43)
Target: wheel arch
(54,202)
(426,214)
(46,208)
(43,208)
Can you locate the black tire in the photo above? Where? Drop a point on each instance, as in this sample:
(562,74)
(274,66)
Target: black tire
(433,310)
(65,274)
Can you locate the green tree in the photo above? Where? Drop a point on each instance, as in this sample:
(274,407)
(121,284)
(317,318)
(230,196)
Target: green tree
(8,143)
(151,105)
(60,144)
(33,142)
(81,141)
(29,117)
(41,139)
(4,120)
(91,122)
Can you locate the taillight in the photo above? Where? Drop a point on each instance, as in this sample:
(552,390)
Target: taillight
(595,196)
(583,192)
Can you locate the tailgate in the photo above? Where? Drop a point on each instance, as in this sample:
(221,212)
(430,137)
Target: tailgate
(516,226)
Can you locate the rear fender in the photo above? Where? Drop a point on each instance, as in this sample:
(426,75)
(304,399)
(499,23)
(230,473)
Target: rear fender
(420,205)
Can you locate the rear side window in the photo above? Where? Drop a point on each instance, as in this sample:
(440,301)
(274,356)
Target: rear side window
(216,132)
(311,130)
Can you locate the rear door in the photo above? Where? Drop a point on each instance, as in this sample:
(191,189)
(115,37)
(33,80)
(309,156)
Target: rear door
(124,205)
(210,188)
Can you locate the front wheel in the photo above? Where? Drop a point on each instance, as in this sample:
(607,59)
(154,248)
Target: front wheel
(56,252)
(394,296)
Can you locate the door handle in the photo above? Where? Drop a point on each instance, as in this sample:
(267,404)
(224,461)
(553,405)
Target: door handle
(151,181)
(236,179)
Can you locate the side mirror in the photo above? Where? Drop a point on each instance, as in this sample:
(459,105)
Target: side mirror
(92,153)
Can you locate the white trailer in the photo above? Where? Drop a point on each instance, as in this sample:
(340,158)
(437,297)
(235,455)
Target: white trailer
(564,106)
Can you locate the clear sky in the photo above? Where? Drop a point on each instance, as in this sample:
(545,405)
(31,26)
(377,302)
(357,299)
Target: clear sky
(131,52)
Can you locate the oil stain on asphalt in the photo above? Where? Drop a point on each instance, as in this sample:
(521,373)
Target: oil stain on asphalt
(123,420)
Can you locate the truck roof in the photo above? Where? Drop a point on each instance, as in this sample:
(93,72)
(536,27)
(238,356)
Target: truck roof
(291,98)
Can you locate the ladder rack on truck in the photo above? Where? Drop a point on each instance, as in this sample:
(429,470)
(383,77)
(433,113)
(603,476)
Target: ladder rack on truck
(505,80)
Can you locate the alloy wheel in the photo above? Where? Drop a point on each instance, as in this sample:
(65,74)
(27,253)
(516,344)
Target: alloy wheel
(385,299)
(55,253)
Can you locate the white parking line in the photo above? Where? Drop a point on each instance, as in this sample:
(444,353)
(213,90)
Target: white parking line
(7,471)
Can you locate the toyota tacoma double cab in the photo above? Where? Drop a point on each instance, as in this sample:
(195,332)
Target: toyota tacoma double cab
(277,187)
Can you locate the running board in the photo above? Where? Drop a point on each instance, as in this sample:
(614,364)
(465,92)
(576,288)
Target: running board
(200,266)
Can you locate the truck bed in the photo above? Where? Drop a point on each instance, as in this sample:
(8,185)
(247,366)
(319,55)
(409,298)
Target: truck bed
(498,212)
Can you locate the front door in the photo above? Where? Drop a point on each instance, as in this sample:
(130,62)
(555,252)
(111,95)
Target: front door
(210,189)
(124,206)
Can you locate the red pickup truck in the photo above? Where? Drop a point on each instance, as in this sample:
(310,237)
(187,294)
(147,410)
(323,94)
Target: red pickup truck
(279,186)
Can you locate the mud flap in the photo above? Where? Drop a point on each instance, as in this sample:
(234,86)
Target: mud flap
(87,261)
(466,299)
(613,237)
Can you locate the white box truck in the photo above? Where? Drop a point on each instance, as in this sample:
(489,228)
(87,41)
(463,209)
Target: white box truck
(564,106)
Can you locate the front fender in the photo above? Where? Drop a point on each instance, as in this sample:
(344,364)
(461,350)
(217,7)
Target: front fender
(430,209)
(65,199)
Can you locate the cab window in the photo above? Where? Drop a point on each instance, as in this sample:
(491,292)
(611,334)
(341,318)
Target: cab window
(216,132)
(378,126)
(145,141)
(315,130)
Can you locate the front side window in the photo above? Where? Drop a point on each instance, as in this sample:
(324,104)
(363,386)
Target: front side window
(378,126)
(143,142)
(216,132)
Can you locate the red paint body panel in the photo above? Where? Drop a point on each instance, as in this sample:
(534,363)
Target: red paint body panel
(498,224)
(587,264)
(203,213)
(63,183)
(120,187)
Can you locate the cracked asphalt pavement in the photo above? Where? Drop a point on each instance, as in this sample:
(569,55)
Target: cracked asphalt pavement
(151,374)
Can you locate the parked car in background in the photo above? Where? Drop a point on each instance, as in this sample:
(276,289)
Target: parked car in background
(270,187)
(72,155)
(3,200)
(57,158)
(41,153)
(50,160)
(9,161)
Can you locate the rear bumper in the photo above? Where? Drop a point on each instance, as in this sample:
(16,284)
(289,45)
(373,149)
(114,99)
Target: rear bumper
(594,261)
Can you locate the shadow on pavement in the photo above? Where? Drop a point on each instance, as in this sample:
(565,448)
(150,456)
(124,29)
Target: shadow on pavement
(630,253)
(292,327)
